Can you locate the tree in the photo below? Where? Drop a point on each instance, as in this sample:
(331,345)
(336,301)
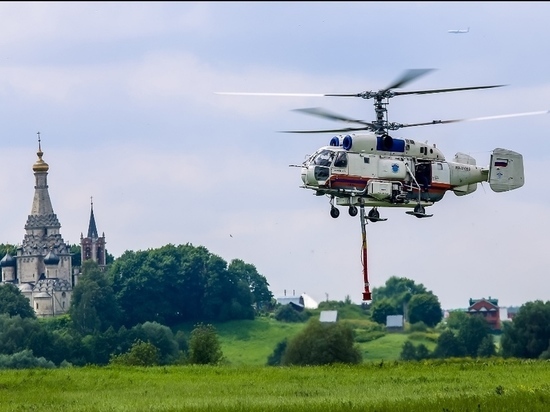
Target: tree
(257,284)
(425,307)
(472,332)
(18,334)
(76,255)
(161,337)
(486,348)
(422,352)
(398,290)
(175,284)
(408,351)
(204,345)
(456,319)
(528,335)
(383,308)
(7,249)
(322,344)
(13,303)
(98,348)
(226,296)
(411,352)
(448,346)
(182,341)
(24,360)
(93,304)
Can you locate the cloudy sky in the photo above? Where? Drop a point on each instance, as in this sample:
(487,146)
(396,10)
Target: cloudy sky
(123,95)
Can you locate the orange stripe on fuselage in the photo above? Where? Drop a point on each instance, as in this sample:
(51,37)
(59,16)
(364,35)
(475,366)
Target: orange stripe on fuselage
(347,182)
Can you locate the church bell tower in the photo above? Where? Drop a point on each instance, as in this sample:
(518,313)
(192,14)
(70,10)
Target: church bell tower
(93,246)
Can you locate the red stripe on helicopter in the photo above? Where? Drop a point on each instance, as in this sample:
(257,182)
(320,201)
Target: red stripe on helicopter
(440,186)
(337,182)
(501,162)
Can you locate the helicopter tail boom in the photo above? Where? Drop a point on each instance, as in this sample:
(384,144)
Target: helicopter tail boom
(506,170)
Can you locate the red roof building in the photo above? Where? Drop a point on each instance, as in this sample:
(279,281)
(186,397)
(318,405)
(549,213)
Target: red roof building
(488,308)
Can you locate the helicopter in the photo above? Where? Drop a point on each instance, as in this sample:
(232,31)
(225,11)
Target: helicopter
(366,166)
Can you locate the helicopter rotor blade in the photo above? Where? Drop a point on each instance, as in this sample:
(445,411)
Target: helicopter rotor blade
(473,119)
(344,130)
(317,111)
(455,89)
(273,94)
(407,77)
(388,92)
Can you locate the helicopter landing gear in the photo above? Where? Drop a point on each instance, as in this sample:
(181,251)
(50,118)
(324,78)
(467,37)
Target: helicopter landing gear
(334,213)
(374,215)
(352,211)
(419,211)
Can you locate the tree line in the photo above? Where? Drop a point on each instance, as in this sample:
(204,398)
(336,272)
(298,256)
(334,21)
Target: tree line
(126,314)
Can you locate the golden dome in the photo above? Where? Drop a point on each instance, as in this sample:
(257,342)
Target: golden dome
(40,165)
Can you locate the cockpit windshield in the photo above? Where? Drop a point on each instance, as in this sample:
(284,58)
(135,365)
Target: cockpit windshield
(323,158)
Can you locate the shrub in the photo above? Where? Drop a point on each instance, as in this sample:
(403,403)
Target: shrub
(276,357)
(140,354)
(322,344)
(204,345)
(418,327)
(24,360)
(286,313)
(364,336)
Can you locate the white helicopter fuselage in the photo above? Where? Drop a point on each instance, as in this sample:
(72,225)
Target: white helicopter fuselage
(371,170)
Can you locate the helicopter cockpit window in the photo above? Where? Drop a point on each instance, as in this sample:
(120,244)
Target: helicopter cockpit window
(324,158)
(322,161)
(341,159)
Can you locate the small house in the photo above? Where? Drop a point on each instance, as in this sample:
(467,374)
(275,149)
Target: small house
(488,309)
(298,301)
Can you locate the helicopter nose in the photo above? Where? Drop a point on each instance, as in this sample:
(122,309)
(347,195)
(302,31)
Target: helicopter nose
(308,175)
(315,175)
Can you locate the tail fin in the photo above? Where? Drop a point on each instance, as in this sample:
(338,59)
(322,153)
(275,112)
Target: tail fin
(506,170)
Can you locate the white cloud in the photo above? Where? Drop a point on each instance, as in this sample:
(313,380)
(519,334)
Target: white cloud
(31,23)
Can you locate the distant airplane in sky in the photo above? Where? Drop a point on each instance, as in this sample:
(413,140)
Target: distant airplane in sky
(459,31)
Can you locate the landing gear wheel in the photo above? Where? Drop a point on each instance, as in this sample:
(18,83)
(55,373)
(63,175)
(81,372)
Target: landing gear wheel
(374,216)
(334,212)
(352,211)
(373,213)
(419,209)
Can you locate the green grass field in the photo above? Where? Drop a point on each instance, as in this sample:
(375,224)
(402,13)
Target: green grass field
(455,385)
(243,382)
(251,342)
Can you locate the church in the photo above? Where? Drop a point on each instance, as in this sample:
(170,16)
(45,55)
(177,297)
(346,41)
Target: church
(42,268)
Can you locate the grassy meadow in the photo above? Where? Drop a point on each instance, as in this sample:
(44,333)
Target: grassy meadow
(454,385)
(251,342)
(243,382)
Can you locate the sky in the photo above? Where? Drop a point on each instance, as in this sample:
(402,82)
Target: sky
(124,95)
